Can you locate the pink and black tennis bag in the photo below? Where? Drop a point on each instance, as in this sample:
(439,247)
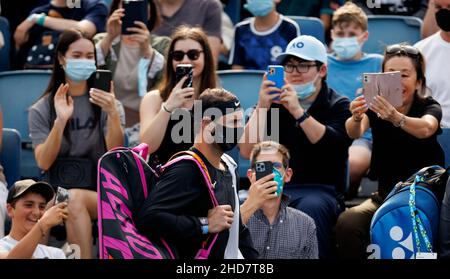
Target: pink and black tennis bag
(123,183)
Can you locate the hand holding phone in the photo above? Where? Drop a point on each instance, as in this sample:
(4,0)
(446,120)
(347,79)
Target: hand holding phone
(386,84)
(102,80)
(135,10)
(184,70)
(275,73)
(62,195)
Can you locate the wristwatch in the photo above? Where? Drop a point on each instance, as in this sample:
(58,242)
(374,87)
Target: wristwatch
(302,118)
(204,224)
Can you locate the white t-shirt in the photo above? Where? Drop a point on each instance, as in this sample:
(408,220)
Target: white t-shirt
(437,60)
(42,251)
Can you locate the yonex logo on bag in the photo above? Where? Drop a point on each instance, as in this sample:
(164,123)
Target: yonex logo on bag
(403,246)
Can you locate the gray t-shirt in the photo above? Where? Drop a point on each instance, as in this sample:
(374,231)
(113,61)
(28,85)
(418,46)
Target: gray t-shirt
(201,13)
(84,135)
(42,251)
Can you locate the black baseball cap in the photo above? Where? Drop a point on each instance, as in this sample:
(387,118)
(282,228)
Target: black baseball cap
(22,186)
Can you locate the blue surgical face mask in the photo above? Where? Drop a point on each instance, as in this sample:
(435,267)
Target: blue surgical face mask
(80,69)
(259,7)
(346,48)
(304,91)
(279,179)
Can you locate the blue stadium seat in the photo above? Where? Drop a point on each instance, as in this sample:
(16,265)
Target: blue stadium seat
(245,85)
(19,90)
(444,140)
(10,155)
(233,10)
(4,51)
(310,26)
(386,30)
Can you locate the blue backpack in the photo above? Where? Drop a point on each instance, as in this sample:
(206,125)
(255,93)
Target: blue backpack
(407,221)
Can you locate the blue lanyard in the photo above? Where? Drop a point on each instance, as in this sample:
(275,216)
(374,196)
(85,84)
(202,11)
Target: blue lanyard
(415,218)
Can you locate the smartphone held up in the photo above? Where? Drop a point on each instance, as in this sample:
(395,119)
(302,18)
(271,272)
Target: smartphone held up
(275,73)
(386,84)
(135,10)
(183,70)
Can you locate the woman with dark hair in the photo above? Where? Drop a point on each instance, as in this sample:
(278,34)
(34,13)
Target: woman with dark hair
(160,108)
(404,141)
(73,124)
(136,60)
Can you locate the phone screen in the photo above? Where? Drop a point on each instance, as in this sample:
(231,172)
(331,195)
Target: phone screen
(184,70)
(135,10)
(62,195)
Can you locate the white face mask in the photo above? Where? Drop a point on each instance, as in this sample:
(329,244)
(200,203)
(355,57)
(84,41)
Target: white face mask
(306,90)
(346,48)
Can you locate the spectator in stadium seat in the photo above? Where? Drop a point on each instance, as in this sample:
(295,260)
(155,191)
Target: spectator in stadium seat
(435,50)
(35,38)
(278,231)
(162,109)
(3,189)
(74,122)
(322,9)
(258,40)
(136,61)
(415,8)
(206,14)
(404,141)
(312,126)
(346,65)
(31,222)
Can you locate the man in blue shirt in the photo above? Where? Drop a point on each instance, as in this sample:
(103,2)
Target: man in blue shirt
(346,65)
(259,40)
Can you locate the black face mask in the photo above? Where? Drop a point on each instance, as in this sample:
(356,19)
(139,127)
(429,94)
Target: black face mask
(443,19)
(227,138)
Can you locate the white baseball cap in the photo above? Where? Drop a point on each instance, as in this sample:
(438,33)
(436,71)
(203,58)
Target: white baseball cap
(305,47)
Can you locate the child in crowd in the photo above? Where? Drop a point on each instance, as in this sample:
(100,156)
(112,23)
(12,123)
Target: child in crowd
(346,64)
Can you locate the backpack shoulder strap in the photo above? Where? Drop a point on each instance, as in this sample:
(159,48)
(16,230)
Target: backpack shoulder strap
(205,250)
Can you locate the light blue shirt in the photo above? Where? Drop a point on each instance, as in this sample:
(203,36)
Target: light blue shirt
(345,77)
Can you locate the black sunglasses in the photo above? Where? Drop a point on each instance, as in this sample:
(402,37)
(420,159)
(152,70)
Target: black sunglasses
(192,54)
(406,49)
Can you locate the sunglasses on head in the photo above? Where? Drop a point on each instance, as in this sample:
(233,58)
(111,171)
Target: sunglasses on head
(192,54)
(406,49)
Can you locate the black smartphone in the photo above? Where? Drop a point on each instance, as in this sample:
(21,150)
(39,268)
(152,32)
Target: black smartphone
(263,168)
(62,195)
(102,80)
(135,10)
(184,70)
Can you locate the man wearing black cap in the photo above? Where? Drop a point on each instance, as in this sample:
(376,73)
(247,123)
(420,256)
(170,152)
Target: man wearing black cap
(26,204)
(179,207)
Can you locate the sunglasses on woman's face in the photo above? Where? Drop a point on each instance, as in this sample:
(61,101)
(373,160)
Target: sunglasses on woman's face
(192,54)
(397,49)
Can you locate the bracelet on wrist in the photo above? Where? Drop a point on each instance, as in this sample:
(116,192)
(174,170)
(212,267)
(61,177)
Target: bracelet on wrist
(302,118)
(40,20)
(401,123)
(165,108)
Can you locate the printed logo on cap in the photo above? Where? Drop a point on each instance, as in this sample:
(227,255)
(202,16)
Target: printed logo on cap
(298,45)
